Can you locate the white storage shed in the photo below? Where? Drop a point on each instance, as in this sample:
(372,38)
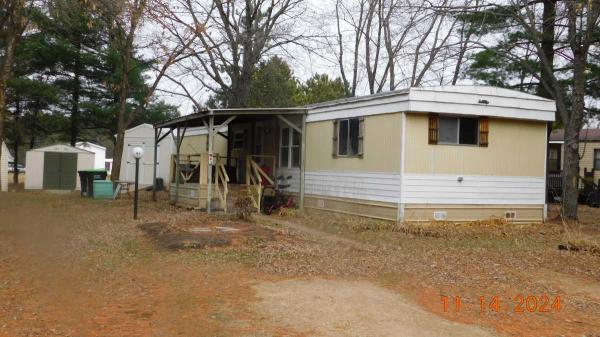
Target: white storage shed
(99,153)
(6,157)
(143,136)
(55,167)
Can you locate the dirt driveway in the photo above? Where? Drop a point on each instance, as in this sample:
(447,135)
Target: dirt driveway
(78,267)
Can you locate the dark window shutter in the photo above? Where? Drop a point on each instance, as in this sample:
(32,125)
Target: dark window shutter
(361,135)
(334,150)
(433,129)
(484,129)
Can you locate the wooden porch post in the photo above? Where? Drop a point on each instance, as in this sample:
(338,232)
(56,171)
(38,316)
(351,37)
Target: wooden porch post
(178,144)
(155,164)
(302,160)
(211,124)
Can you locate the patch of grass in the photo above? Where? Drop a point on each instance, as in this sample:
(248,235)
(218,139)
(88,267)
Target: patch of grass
(242,255)
(582,245)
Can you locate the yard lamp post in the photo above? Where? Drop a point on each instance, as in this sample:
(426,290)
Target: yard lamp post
(137,153)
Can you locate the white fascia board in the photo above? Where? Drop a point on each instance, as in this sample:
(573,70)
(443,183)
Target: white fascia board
(376,106)
(526,107)
(461,101)
(480,110)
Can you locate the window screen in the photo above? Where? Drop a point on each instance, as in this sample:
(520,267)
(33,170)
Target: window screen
(597,159)
(353,137)
(349,137)
(448,130)
(343,138)
(458,130)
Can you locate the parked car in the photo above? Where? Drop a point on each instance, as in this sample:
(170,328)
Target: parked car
(11,168)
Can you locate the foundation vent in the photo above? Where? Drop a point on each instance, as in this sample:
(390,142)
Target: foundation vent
(439,215)
(321,203)
(510,215)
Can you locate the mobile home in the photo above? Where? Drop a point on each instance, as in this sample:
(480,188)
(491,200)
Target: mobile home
(455,153)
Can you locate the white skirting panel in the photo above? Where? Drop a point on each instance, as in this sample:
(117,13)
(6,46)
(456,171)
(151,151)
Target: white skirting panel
(473,189)
(383,187)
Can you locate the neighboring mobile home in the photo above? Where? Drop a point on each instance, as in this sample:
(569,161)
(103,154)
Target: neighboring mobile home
(55,167)
(589,152)
(454,153)
(5,158)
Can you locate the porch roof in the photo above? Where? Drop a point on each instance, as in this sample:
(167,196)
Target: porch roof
(221,115)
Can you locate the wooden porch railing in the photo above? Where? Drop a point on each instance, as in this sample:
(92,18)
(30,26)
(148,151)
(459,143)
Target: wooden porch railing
(221,182)
(254,180)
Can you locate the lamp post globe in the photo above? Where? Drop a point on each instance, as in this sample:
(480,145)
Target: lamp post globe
(137,153)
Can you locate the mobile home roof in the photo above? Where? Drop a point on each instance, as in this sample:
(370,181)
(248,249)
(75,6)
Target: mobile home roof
(459,100)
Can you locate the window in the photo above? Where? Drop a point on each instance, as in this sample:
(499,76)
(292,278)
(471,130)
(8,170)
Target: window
(597,159)
(289,149)
(554,158)
(238,139)
(348,137)
(459,130)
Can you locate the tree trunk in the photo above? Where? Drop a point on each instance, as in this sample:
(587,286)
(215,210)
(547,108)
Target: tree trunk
(572,130)
(571,173)
(122,122)
(547,42)
(75,113)
(16,25)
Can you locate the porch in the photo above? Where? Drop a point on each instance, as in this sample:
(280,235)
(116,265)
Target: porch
(262,146)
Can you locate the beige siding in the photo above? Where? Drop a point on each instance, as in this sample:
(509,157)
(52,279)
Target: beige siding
(586,152)
(516,148)
(381,146)
(372,209)
(197,144)
(459,213)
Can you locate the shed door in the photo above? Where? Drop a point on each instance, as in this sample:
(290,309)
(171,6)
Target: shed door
(60,171)
(130,175)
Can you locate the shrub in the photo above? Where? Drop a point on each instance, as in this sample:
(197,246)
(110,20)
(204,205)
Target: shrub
(244,206)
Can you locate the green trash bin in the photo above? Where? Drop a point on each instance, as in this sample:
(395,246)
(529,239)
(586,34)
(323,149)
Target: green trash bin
(103,189)
(87,178)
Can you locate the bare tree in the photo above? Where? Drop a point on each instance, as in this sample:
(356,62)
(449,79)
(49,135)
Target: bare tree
(233,37)
(382,37)
(341,12)
(126,18)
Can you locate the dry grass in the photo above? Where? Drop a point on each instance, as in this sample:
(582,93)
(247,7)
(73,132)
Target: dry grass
(99,240)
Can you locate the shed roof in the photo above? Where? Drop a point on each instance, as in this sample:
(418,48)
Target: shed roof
(83,145)
(198,119)
(6,151)
(586,135)
(61,148)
